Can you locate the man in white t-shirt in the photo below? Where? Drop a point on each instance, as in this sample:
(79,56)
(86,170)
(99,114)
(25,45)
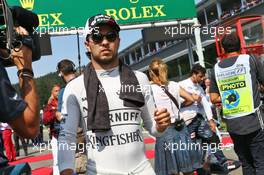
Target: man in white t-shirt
(192,85)
(105,102)
(203,107)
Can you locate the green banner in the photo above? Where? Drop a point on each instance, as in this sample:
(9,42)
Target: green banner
(71,14)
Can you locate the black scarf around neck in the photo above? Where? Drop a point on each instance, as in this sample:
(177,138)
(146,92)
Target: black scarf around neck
(98,109)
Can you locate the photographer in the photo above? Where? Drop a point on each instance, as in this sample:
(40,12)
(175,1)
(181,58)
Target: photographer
(22,113)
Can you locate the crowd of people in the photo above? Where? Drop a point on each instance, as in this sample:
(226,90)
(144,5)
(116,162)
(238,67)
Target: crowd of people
(103,111)
(110,116)
(239,8)
(92,101)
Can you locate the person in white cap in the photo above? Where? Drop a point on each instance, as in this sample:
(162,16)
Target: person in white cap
(109,101)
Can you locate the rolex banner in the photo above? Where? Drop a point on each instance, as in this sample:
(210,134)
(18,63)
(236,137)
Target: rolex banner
(72,14)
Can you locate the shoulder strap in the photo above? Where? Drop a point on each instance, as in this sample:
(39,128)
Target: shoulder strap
(171,97)
(173,100)
(169,94)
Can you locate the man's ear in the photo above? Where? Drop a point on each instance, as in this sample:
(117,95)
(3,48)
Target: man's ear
(87,46)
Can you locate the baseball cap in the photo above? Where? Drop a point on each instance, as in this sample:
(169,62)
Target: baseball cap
(94,21)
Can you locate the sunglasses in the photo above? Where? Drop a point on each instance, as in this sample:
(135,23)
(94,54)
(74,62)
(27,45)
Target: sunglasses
(98,37)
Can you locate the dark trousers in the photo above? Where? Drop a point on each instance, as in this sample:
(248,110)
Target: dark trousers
(17,146)
(39,138)
(3,158)
(1,141)
(250,151)
(218,153)
(214,139)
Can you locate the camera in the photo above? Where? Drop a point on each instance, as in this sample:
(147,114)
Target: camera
(11,17)
(179,124)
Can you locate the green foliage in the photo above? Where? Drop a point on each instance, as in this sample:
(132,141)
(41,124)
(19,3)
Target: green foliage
(44,85)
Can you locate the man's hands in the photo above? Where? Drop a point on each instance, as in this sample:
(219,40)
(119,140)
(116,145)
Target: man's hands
(23,57)
(58,116)
(215,98)
(196,97)
(162,118)
(261,88)
(27,123)
(212,125)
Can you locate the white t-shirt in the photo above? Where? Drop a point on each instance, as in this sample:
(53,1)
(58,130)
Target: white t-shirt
(189,112)
(162,100)
(120,150)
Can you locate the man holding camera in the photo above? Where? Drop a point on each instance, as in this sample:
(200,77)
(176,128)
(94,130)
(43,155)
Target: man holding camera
(22,113)
(18,47)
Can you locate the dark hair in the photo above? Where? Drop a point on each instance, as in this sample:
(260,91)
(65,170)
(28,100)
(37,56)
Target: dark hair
(66,67)
(231,43)
(197,68)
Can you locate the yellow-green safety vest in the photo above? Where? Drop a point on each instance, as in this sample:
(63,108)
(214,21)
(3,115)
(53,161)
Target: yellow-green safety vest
(235,87)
